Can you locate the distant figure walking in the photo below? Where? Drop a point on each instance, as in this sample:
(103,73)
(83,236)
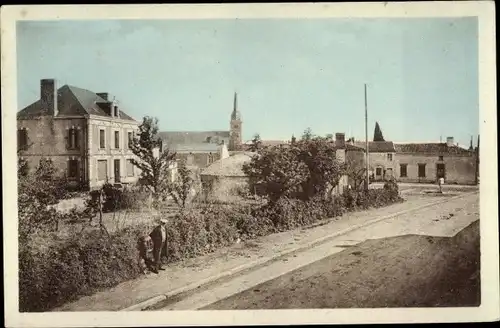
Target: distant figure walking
(159,239)
(441,183)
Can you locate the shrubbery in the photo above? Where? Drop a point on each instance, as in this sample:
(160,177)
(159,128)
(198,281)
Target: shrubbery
(55,269)
(52,275)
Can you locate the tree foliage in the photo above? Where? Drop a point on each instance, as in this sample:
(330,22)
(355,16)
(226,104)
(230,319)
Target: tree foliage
(256,144)
(377,134)
(306,169)
(356,171)
(155,170)
(181,188)
(307,135)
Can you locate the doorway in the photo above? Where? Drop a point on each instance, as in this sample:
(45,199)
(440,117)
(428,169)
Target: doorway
(440,171)
(117,171)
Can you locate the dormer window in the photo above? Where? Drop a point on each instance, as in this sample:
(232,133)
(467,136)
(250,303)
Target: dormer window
(115,111)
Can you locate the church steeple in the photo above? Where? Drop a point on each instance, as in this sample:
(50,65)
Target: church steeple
(235,126)
(235,115)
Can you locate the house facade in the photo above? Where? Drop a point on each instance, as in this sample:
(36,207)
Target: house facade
(427,162)
(84,134)
(381,159)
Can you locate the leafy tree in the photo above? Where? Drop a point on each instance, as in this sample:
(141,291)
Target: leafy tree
(377,134)
(304,170)
(155,170)
(256,143)
(307,135)
(276,172)
(182,186)
(356,171)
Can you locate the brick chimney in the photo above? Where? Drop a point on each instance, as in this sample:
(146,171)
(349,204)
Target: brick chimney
(449,141)
(340,140)
(48,96)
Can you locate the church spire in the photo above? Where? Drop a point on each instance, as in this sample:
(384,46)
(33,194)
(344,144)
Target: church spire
(235,115)
(235,105)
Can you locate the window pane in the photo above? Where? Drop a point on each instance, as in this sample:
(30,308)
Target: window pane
(403,170)
(130,168)
(117,139)
(129,139)
(101,139)
(102,170)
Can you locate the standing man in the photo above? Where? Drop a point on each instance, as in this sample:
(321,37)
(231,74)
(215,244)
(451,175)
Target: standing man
(159,238)
(441,183)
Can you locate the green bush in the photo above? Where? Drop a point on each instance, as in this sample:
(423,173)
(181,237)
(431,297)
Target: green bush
(116,199)
(81,265)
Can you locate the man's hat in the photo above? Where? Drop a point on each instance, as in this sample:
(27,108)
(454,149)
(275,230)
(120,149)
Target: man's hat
(163,220)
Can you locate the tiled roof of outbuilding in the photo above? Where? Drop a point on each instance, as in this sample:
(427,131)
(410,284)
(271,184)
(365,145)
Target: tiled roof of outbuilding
(430,148)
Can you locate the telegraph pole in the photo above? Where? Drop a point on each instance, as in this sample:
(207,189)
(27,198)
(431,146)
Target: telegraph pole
(367,181)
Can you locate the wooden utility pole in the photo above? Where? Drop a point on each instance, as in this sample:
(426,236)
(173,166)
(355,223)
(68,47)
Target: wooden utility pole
(477,161)
(367,181)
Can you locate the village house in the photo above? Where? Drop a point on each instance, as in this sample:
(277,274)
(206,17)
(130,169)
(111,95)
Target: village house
(86,135)
(427,162)
(381,159)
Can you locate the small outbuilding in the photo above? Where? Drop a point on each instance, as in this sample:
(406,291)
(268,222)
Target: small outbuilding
(224,180)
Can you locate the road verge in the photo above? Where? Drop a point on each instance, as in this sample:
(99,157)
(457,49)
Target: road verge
(152,302)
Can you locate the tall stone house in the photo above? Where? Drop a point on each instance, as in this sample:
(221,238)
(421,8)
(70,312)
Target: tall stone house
(199,149)
(86,135)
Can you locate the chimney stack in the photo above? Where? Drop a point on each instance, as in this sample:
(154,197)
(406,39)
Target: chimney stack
(340,140)
(449,141)
(48,96)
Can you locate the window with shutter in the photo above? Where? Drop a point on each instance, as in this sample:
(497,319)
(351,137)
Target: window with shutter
(117,139)
(102,139)
(130,168)
(102,170)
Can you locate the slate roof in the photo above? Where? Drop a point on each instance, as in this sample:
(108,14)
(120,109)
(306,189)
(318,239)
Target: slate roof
(231,166)
(377,146)
(431,148)
(350,147)
(72,101)
(195,148)
(193,137)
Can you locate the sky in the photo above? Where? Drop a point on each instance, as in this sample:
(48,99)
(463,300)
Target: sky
(290,74)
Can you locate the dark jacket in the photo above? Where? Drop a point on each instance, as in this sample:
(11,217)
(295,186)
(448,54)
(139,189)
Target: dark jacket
(157,239)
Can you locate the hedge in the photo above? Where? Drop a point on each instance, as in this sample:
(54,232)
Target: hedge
(52,275)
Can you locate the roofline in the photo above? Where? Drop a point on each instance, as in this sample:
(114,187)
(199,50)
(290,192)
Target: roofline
(112,119)
(467,153)
(34,117)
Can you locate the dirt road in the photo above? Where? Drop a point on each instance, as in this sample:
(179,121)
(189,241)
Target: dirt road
(405,271)
(407,260)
